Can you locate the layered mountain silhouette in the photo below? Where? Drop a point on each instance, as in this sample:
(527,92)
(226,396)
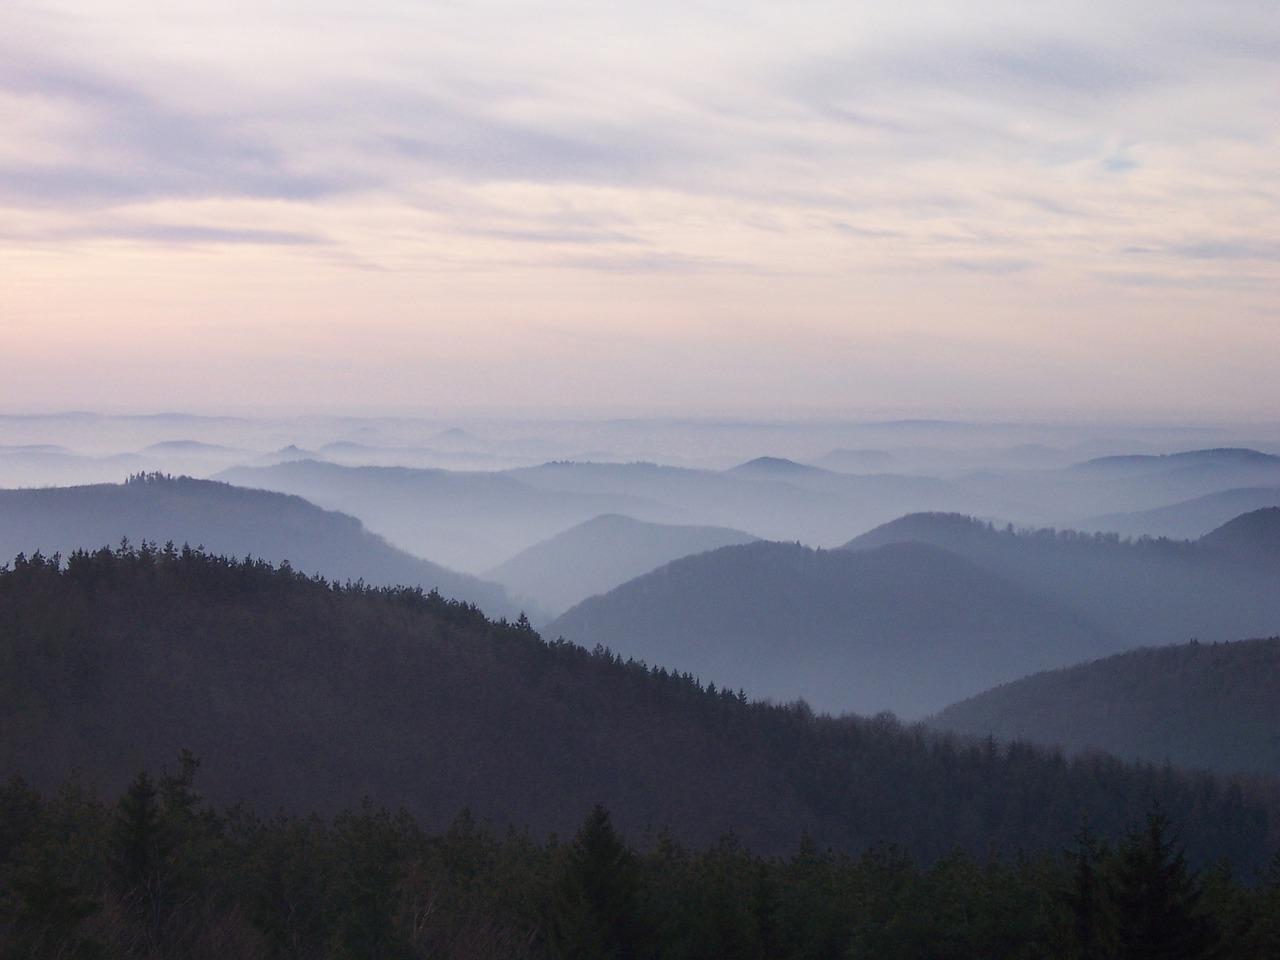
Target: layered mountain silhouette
(1201,705)
(901,628)
(1188,519)
(468,520)
(1145,592)
(1119,485)
(478,520)
(601,554)
(300,696)
(226,519)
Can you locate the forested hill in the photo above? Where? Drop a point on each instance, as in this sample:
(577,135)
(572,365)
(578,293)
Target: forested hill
(1208,705)
(1223,586)
(1251,539)
(907,628)
(300,694)
(225,519)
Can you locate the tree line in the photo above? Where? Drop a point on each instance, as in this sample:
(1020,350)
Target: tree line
(158,873)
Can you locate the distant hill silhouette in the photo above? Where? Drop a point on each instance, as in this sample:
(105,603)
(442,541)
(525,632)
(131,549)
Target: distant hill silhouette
(230,520)
(469,520)
(1210,706)
(1191,459)
(1253,537)
(769,497)
(902,628)
(777,468)
(302,696)
(1187,519)
(1119,485)
(601,554)
(1143,592)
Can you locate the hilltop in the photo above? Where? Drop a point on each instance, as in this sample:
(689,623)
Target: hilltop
(906,627)
(1202,705)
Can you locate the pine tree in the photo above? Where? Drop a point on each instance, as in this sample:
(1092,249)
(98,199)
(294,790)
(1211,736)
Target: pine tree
(1156,898)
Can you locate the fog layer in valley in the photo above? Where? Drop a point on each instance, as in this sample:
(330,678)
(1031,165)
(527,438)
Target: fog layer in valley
(861,566)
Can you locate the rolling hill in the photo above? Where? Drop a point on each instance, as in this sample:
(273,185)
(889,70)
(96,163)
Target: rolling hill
(1145,592)
(302,696)
(1201,705)
(1118,485)
(901,628)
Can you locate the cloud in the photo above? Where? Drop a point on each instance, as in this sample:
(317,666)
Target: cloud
(851,166)
(113,143)
(995,266)
(168,233)
(1228,250)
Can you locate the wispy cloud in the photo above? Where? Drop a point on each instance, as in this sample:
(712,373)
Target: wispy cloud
(840,164)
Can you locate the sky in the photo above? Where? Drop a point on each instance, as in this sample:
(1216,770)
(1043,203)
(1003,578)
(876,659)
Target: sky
(928,208)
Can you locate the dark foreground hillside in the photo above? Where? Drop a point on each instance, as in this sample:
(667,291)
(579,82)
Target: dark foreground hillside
(1214,706)
(155,874)
(301,695)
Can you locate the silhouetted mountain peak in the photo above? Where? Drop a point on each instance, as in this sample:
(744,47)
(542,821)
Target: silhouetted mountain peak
(775,467)
(935,528)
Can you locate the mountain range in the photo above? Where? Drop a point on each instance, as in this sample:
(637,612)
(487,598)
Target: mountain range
(906,628)
(931,608)
(1221,586)
(301,696)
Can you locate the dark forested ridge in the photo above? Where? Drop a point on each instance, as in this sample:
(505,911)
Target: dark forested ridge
(1206,705)
(225,519)
(908,628)
(308,696)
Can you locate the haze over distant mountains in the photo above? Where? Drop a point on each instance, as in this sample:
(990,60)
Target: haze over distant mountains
(907,628)
(914,612)
(475,521)
(1219,587)
(601,554)
(901,567)
(1188,519)
(470,521)
(231,520)
(562,530)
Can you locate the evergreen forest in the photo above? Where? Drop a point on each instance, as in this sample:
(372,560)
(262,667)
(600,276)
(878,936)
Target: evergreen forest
(386,773)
